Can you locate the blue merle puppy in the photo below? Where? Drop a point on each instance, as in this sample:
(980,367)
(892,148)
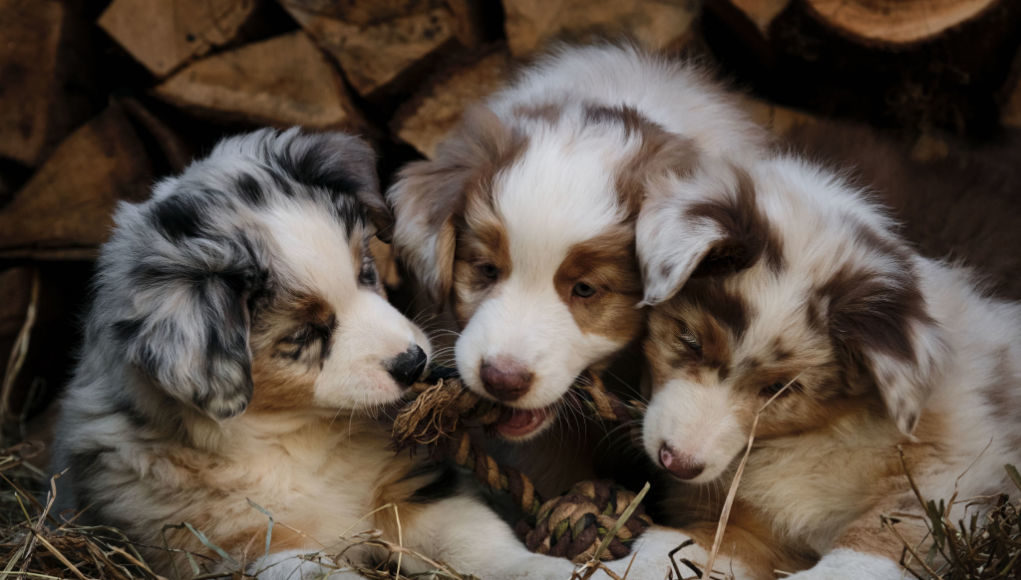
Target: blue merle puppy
(236,351)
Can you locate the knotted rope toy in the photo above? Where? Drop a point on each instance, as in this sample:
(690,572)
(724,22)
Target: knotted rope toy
(573,525)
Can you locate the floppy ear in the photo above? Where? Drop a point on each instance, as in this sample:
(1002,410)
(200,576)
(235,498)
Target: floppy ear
(177,292)
(880,324)
(340,163)
(429,195)
(706,223)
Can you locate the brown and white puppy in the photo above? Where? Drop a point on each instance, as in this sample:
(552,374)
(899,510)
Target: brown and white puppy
(775,278)
(523,221)
(237,347)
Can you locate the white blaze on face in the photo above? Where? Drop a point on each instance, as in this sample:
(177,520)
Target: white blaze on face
(557,195)
(369,331)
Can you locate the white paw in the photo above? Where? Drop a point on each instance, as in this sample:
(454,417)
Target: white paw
(844,564)
(653,551)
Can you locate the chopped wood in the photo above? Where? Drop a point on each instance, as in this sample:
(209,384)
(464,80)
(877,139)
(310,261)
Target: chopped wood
(359,12)
(43,71)
(897,22)
(1010,96)
(281,82)
(655,24)
(761,13)
(67,205)
(907,63)
(375,56)
(436,109)
(165,34)
(779,120)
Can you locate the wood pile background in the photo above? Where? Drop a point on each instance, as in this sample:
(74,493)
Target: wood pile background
(100,98)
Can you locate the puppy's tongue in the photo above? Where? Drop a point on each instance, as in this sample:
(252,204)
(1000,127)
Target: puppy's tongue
(519,422)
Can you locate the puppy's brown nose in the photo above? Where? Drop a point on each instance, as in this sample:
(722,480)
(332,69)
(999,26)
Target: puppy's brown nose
(505,378)
(682,465)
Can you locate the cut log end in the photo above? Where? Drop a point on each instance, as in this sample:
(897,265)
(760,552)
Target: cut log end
(897,21)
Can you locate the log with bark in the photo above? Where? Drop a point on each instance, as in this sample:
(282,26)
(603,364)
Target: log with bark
(45,88)
(65,210)
(386,45)
(908,63)
(655,24)
(281,81)
(164,34)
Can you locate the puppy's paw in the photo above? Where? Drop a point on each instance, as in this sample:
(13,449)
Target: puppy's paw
(844,564)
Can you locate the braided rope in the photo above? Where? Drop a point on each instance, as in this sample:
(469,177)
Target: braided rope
(571,525)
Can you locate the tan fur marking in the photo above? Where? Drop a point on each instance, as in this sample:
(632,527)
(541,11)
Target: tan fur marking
(482,241)
(608,264)
(280,380)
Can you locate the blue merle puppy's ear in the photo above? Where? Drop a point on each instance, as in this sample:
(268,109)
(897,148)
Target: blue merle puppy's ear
(174,286)
(341,164)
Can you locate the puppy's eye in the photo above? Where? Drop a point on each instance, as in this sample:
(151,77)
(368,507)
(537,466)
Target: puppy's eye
(778,386)
(313,334)
(583,290)
(488,271)
(687,336)
(367,275)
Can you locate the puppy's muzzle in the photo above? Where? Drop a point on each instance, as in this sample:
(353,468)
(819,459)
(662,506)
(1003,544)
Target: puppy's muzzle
(407,367)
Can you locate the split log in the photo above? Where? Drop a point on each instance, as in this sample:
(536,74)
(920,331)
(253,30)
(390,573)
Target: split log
(164,34)
(887,22)
(43,77)
(897,22)
(913,63)
(358,12)
(1010,96)
(281,82)
(64,211)
(385,55)
(427,117)
(657,25)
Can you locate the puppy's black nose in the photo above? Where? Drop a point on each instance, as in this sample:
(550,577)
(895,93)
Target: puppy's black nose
(407,367)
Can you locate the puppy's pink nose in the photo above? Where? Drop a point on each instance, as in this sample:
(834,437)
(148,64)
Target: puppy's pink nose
(682,465)
(505,378)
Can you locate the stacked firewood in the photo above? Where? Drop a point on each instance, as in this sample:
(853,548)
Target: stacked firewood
(98,99)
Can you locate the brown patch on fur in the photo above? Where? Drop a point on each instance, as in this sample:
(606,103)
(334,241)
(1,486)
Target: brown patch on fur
(608,264)
(283,373)
(482,241)
(749,538)
(710,296)
(867,312)
(464,166)
(748,235)
(1002,393)
(547,112)
(661,153)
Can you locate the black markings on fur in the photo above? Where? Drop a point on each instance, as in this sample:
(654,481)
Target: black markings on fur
(445,483)
(250,190)
(122,405)
(316,167)
(127,330)
(281,182)
(178,217)
(83,467)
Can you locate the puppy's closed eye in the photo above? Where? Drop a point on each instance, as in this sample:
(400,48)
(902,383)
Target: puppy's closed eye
(308,341)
